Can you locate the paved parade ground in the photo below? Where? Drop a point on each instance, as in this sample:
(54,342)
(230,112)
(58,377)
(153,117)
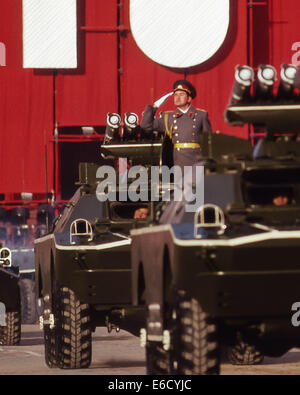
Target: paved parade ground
(117,354)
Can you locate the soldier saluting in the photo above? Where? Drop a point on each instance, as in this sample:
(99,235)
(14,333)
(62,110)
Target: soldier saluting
(183,126)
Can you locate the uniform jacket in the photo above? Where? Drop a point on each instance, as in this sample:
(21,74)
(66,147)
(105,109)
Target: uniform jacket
(181,128)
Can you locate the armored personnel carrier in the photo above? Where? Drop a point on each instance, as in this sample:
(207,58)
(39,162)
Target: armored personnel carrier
(227,273)
(18,236)
(10,308)
(83,271)
(20,242)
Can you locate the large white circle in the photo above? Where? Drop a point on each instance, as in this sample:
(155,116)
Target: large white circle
(179,33)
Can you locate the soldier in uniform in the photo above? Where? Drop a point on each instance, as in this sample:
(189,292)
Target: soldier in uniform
(183,126)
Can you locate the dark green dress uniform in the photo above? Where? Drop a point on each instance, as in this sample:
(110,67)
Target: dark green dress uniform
(184,129)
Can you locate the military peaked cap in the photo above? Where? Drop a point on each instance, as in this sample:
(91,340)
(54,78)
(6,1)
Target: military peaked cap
(186,86)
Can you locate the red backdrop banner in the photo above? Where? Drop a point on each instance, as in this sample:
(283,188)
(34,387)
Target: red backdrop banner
(114,75)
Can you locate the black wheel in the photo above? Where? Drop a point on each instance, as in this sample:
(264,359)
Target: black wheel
(157,359)
(50,347)
(72,335)
(194,342)
(29,313)
(10,334)
(244,353)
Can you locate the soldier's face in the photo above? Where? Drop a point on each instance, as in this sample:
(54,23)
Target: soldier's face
(141,213)
(182,99)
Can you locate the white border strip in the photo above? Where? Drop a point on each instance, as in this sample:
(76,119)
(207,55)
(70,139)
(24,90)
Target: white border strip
(97,247)
(269,235)
(264,108)
(104,246)
(22,271)
(130,145)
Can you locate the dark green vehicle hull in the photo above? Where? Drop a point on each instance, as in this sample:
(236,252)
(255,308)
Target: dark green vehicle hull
(96,278)
(98,275)
(9,290)
(257,280)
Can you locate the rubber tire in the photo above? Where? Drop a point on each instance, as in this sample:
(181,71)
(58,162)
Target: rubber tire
(243,353)
(10,335)
(194,344)
(157,359)
(73,335)
(29,312)
(50,347)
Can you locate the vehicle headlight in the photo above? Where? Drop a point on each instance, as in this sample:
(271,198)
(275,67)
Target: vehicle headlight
(287,73)
(131,120)
(5,257)
(113,120)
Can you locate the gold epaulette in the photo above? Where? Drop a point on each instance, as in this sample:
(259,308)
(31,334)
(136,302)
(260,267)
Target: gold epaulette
(201,109)
(170,131)
(164,112)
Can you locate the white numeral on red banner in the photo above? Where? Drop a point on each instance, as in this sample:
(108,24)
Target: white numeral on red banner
(179,33)
(50,34)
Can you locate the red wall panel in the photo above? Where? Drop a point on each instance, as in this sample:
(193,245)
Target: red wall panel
(84,96)
(25,112)
(284,32)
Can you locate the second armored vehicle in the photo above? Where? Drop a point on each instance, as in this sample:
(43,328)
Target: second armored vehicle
(228,273)
(10,307)
(83,271)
